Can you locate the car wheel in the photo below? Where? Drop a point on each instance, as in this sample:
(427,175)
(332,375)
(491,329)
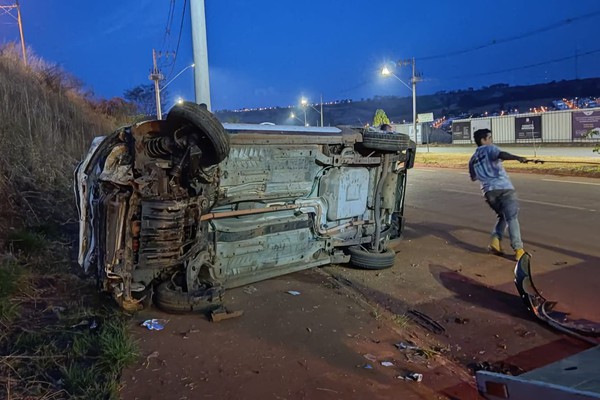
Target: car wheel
(213,140)
(172,298)
(386,141)
(361,258)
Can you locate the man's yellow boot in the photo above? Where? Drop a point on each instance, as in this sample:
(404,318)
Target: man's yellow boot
(519,253)
(494,246)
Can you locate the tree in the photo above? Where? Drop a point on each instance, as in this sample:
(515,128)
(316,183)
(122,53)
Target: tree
(144,98)
(380,118)
(117,108)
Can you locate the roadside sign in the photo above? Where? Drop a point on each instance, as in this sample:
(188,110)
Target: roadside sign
(426,117)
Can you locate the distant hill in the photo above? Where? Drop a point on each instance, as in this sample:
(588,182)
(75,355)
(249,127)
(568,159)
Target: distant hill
(492,99)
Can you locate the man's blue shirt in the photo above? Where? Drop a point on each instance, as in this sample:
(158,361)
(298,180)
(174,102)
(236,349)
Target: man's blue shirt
(487,168)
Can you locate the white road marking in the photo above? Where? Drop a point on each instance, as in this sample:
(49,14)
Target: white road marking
(579,182)
(527,201)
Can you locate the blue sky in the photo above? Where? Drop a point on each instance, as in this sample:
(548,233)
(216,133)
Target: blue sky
(270,53)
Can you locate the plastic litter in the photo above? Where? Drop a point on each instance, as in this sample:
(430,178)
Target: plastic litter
(387,364)
(250,289)
(293,292)
(406,346)
(370,357)
(368,366)
(154,324)
(414,376)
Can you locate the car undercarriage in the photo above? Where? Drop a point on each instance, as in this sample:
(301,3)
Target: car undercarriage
(175,211)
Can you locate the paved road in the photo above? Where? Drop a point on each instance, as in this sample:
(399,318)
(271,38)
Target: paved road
(527,151)
(560,222)
(443,269)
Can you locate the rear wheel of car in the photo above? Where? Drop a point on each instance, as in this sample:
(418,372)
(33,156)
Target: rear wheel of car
(172,298)
(386,141)
(362,258)
(213,140)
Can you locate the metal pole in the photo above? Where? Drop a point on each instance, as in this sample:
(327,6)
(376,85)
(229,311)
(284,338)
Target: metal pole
(200,49)
(414,99)
(321,110)
(305,124)
(21,32)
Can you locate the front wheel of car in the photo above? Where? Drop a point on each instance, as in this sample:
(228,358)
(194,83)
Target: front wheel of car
(213,139)
(365,259)
(386,141)
(172,298)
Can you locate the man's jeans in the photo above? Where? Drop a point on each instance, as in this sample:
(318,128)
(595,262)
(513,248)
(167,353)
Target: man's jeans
(506,206)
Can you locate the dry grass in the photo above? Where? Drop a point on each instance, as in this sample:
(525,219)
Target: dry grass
(569,166)
(46,349)
(47,124)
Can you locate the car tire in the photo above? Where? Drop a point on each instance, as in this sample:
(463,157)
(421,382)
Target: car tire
(386,141)
(172,299)
(214,140)
(361,258)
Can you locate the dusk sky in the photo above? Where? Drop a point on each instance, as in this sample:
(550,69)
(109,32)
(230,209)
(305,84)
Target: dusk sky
(272,52)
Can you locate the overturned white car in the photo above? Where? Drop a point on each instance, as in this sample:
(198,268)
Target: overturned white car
(176,210)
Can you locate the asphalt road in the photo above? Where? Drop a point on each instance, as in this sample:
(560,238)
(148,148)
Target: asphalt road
(559,217)
(526,151)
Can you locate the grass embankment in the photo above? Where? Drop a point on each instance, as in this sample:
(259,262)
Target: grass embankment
(567,166)
(56,338)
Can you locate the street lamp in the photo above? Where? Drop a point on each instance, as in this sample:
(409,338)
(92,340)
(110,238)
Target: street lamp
(414,79)
(305,104)
(156,76)
(292,115)
(180,72)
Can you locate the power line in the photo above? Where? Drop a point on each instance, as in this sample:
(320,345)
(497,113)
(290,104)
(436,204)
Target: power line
(514,38)
(179,37)
(169,23)
(527,66)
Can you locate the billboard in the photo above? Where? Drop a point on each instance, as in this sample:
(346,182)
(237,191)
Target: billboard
(461,130)
(584,122)
(528,127)
(477,124)
(426,117)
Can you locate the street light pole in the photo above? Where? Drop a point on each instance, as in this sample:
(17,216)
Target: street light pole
(414,98)
(321,110)
(304,103)
(414,79)
(413,88)
(180,72)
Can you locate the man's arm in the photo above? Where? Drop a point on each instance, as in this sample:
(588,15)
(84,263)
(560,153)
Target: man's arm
(503,155)
(472,170)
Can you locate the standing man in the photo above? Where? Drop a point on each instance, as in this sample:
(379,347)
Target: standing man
(486,167)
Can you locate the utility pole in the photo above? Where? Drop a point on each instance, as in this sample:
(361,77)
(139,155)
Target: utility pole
(414,79)
(156,76)
(7,10)
(200,49)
